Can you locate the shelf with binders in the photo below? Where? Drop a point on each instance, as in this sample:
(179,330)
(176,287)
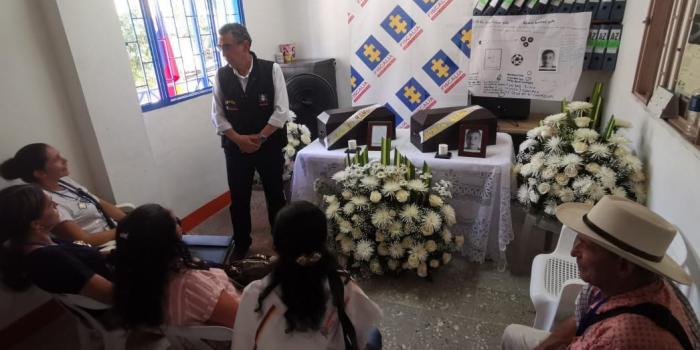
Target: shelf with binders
(601,10)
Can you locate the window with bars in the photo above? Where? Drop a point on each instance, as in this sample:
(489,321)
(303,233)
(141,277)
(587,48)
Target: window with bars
(172,46)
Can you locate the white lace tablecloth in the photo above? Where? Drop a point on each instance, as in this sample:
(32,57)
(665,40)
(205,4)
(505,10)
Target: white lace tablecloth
(481,191)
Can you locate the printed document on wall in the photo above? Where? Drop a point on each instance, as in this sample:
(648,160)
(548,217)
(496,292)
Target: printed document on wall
(536,57)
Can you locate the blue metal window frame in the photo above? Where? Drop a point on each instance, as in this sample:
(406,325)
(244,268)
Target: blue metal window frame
(165,99)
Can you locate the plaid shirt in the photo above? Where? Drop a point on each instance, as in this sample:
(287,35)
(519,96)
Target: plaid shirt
(628,331)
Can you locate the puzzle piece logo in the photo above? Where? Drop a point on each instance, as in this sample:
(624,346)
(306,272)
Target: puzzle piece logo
(398,24)
(443,70)
(433,8)
(375,55)
(358,84)
(463,39)
(413,95)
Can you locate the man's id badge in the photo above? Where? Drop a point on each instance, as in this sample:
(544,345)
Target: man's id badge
(231,105)
(263,100)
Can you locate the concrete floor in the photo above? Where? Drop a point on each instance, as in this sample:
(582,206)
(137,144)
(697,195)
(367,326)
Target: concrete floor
(466,306)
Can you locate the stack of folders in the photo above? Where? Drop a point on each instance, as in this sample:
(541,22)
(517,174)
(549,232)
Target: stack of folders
(602,10)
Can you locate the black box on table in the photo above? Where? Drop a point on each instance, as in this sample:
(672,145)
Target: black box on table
(423,119)
(330,120)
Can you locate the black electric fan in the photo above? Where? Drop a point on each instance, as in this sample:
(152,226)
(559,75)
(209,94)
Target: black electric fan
(309,95)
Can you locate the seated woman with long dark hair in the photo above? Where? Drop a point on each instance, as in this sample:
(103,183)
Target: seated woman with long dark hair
(157,281)
(28,254)
(305,303)
(83,216)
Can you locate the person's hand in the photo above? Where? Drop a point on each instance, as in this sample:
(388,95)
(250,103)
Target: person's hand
(248,143)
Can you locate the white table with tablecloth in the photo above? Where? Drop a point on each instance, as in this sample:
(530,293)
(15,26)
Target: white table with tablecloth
(481,188)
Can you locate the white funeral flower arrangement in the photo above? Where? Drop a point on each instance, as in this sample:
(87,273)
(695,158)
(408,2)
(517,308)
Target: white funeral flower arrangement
(298,136)
(386,218)
(566,160)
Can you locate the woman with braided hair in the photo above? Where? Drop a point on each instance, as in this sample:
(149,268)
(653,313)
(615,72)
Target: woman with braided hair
(306,302)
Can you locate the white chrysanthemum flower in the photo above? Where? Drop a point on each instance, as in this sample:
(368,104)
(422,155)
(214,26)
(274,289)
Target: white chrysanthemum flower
(395,229)
(596,192)
(446,258)
(459,241)
(450,216)
(430,246)
(580,147)
(347,245)
(435,201)
(422,270)
(555,119)
(359,201)
(364,250)
(382,218)
(410,213)
(396,250)
(369,182)
(390,188)
(304,129)
(621,152)
(618,140)
(582,122)
(582,185)
(535,132)
(566,195)
(599,150)
(607,177)
(593,167)
(561,179)
(294,142)
(533,196)
(344,226)
(305,139)
(550,207)
(357,233)
(392,264)
(571,159)
(526,170)
(349,208)
(576,106)
(548,131)
(292,126)
(549,173)
(332,210)
(543,188)
(631,162)
(570,170)
(330,199)
(528,144)
(538,160)
(553,144)
(619,191)
(434,263)
(375,196)
(340,176)
(381,175)
(522,194)
(417,185)
(431,223)
(446,235)
(586,135)
(402,196)
(289,151)
(419,252)
(554,161)
(356,219)
(375,267)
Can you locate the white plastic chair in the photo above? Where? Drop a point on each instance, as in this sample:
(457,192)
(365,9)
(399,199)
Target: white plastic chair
(78,305)
(555,282)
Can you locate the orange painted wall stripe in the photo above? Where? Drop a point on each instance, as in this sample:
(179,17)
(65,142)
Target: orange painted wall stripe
(206,211)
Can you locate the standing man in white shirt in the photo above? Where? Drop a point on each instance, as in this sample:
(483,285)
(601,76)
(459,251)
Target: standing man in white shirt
(249,111)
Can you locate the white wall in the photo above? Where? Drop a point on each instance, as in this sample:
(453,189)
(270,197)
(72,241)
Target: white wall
(673,165)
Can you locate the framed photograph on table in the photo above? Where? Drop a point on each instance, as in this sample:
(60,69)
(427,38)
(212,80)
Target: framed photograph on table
(376,131)
(472,140)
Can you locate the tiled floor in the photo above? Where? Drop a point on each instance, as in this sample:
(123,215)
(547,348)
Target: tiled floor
(466,306)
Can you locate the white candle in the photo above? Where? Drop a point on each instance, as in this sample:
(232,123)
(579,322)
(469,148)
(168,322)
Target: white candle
(442,149)
(352,145)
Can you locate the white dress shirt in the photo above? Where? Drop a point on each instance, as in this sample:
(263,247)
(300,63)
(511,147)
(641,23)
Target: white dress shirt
(278,117)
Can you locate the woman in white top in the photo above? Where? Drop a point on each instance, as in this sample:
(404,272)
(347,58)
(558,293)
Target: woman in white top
(305,303)
(83,216)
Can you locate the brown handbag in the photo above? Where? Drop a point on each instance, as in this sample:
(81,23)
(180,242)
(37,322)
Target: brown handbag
(247,270)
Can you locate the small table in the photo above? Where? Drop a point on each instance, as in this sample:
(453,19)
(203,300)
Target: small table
(481,188)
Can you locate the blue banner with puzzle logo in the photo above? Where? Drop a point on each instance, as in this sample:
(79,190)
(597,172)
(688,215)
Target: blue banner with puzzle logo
(410,55)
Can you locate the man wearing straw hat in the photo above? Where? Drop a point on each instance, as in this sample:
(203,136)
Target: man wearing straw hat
(629,302)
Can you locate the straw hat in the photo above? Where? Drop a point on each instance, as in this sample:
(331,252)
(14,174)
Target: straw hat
(627,229)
